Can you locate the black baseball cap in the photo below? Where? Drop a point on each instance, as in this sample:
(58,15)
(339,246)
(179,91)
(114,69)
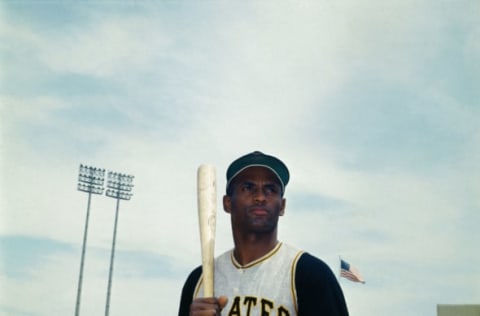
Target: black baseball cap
(259,159)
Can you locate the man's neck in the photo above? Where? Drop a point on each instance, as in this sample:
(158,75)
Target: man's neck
(252,247)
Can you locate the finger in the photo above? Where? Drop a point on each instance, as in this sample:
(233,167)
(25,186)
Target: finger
(205,307)
(222,301)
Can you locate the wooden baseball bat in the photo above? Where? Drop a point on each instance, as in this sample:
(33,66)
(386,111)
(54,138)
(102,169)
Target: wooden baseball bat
(207,206)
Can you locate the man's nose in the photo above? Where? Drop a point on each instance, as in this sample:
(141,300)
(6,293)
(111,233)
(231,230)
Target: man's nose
(259,195)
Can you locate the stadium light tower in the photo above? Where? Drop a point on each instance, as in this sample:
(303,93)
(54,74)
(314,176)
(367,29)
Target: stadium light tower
(90,180)
(119,186)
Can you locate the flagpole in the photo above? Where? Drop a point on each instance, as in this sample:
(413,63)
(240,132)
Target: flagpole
(340,268)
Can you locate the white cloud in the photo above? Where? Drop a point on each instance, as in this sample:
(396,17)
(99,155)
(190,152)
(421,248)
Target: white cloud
(106,48)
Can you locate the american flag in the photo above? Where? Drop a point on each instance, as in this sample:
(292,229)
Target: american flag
(349,272)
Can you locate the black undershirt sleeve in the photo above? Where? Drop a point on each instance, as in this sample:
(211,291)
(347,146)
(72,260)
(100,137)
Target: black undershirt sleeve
(188,291)
(318,291)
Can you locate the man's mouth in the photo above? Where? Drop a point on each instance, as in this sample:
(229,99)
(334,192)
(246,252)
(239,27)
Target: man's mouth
(258,211)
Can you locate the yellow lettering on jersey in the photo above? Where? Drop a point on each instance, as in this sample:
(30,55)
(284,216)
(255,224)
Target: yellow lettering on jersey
(282,311)
(235,310)
(248,301)
(267,306)
(249,305)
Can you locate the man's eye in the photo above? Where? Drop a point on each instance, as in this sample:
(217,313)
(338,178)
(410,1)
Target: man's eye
(248,187)
(271,189)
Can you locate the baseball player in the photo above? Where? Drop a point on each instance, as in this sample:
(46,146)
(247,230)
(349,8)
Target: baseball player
(262,276)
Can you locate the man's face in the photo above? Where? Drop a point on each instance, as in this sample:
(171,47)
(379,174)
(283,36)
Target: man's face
(256,201)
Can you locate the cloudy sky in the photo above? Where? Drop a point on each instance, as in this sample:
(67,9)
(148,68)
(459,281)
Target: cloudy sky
(373,105)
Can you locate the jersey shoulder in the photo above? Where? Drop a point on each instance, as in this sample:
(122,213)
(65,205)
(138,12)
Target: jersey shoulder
(310,264)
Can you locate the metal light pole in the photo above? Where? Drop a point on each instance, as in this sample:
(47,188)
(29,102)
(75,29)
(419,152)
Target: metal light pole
(90,180)
(119,186)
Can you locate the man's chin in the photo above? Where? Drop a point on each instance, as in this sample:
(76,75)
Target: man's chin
(262,227)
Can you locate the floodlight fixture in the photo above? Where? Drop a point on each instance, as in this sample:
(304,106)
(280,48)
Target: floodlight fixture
(91,179)
(119,186)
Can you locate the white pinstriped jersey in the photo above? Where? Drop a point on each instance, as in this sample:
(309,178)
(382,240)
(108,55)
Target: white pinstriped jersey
(265,286)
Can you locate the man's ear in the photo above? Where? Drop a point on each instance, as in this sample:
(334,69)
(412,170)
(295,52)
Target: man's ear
(227,204)
(282,210)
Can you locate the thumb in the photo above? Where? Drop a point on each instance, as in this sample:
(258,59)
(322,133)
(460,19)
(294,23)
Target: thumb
(222,301)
